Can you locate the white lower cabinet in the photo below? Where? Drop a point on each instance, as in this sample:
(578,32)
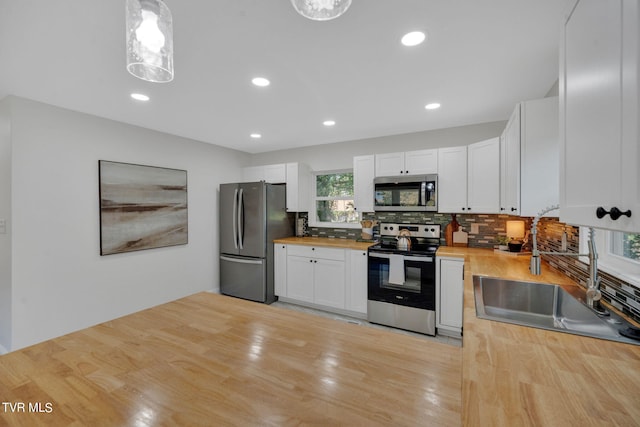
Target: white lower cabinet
(357,283)
(330,278)
(449,295)
(329,282)
(280,269)
(300,278)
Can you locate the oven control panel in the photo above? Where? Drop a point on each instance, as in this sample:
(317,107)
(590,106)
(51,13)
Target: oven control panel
(416,230)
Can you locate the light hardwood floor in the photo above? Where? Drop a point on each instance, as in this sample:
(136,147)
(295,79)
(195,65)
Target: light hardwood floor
(213,360)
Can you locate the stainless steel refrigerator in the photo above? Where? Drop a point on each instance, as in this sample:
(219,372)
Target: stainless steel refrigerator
(252,215)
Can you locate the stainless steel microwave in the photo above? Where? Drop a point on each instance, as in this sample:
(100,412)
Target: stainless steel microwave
(406,193)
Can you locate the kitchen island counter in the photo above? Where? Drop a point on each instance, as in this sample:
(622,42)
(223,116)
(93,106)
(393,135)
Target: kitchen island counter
(514,375)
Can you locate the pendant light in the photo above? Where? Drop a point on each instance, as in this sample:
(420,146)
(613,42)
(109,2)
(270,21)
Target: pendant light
(321,10)
(149,40)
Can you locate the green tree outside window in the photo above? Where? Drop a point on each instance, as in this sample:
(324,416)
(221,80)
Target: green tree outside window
(334,198)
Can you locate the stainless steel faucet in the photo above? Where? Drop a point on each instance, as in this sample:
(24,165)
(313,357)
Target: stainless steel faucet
(593,285)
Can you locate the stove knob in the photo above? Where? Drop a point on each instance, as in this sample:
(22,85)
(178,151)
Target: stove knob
(390,228)
(433,230)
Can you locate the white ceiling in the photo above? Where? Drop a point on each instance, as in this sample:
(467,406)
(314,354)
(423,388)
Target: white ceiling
(481,57)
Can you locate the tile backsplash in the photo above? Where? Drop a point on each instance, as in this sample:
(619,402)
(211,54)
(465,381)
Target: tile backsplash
(622,295)
(489,226)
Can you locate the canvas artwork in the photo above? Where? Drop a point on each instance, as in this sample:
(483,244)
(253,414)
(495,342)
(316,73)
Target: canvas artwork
(141,207)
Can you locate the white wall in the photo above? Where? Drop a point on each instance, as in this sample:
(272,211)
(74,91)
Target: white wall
(51,268)
(5,239)
(340,155)
(60,282)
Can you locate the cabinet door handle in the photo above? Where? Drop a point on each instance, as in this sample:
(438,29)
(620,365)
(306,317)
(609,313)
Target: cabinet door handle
(514,209)
(615,213)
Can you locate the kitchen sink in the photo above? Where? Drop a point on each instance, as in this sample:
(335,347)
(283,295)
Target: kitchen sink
(544,306)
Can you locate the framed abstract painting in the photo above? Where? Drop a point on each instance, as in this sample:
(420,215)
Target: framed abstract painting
(141,207)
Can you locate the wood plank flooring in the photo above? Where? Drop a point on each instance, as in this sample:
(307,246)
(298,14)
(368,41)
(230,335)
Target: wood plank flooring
(213,360)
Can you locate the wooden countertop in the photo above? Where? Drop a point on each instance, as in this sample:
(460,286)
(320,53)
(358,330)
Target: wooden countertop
(326,242)
(517,376)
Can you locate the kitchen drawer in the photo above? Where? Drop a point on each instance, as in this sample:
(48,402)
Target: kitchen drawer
(316,252)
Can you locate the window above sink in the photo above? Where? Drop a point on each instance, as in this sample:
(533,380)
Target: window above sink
(618,253)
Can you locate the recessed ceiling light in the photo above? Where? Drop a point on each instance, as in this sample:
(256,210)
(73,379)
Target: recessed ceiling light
(413,38)
(260,81)
(139,97)
(329,123)
(432,106)
(255,136)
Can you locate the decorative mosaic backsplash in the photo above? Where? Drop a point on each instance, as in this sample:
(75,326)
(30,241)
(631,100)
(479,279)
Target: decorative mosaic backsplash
(620,294)
(489,226)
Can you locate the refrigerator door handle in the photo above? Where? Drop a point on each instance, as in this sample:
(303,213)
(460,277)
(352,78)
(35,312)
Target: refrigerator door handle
(241,218)
(240,260)
(235,215)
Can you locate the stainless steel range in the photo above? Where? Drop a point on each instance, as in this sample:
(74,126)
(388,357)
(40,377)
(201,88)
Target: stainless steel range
(402,277)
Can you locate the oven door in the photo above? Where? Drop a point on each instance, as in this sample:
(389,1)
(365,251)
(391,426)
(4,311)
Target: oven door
(402,279)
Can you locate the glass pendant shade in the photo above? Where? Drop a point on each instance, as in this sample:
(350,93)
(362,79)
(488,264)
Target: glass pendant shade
(321,10)
(149,40)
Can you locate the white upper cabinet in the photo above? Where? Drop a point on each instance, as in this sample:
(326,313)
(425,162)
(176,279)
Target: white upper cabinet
(599,153)
(298,187)
(421,162)
(539,155)
(483,188)
(253,173)
(389,164)
(297,176)
(530,150)
(452,179)
(510,165)
(418,162)
(363,175)
(469,178)
(274,174)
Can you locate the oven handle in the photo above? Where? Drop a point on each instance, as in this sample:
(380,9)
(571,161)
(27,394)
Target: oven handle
(405,257)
